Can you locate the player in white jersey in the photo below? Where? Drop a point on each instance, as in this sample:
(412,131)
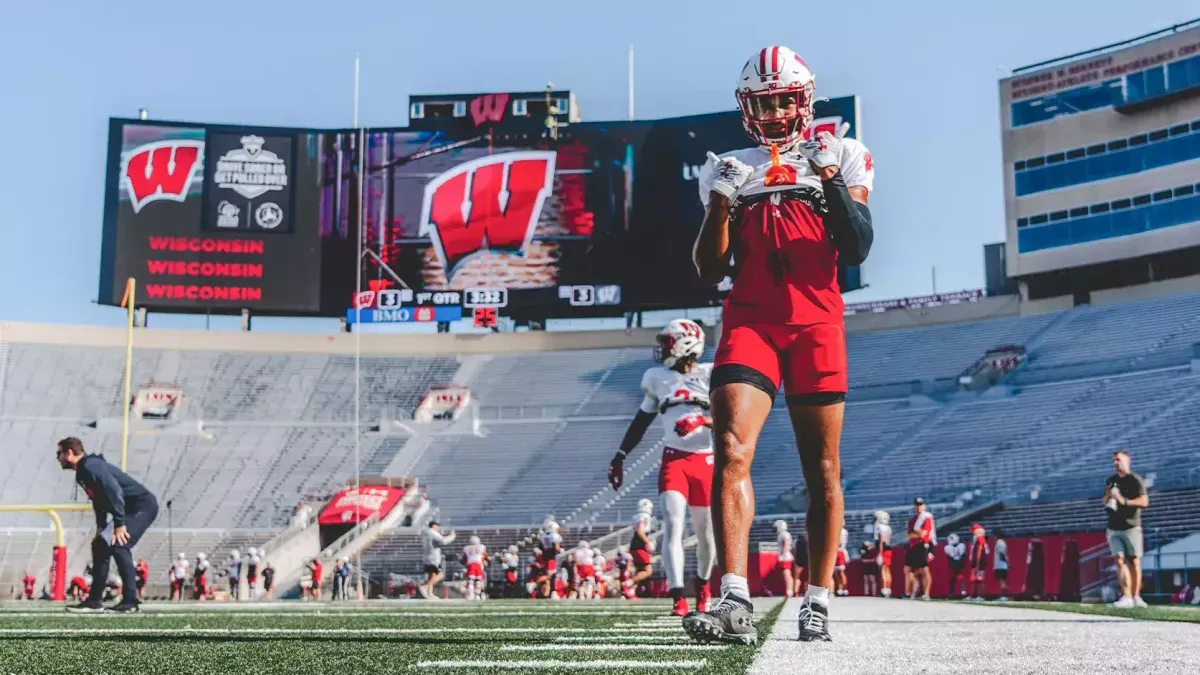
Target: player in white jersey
(839,565)
(882,532)
(179,575)
(677,393)
(510,560)
(474,557)
(641,549)
(551,546)
(599,562)
(585,570)
(785,560)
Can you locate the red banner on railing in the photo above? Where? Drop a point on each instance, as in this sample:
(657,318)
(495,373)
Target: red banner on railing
(354,505)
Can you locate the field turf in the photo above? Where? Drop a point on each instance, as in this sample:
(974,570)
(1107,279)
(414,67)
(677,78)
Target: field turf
(429,637)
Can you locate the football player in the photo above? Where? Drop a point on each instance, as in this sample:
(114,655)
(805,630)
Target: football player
(677,392)
(599,562)
(785,560)
(882,531)
(585,570)
(511,560)
(551,547)
(200,577)
(839,566)
(641,549)
(475,557)
(179,574)
(784,213)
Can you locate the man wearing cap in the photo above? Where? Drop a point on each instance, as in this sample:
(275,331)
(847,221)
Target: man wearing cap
(920,546)
(132,507)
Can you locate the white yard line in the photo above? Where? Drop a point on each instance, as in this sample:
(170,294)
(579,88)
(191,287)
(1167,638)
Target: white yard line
(566,665)
(301,632)
(650,639)
(612,647)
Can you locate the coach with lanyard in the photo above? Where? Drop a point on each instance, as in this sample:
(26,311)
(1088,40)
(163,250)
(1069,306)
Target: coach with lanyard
(132,507)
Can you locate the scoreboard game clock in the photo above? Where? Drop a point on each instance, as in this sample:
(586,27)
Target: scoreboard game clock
(485,297)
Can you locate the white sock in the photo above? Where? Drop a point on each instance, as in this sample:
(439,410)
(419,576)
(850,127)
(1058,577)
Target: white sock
(732,584)
(819,595)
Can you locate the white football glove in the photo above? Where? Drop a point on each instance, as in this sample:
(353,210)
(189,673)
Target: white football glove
(825,149)
(730,174)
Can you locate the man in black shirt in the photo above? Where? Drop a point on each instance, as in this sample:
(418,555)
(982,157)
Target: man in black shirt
(132,508)
(1124,498)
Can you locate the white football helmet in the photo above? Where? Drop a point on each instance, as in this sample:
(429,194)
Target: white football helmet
(781,526)
(253,552)
(513,548)
(645,506)
(882,517)
(234,554)
(952,539)
(183,556)
(678,340)
(773,79)
(474,540)
(201,556)
(584,545)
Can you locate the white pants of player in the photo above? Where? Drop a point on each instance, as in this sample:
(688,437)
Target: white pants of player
(675,508)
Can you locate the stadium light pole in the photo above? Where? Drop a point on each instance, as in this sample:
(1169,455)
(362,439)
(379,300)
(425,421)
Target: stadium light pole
(362,190)
(630,77)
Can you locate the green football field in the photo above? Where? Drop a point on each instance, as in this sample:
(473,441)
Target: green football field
(427,637)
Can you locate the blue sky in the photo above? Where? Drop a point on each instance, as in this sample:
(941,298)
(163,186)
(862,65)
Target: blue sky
(926,72)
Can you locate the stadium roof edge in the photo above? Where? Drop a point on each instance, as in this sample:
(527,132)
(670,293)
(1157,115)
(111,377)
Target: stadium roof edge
(1116,45)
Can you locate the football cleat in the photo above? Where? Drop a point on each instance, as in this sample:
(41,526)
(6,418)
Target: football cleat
(814,622)
(731,620)
(124,608)
(87,607)
(703,595)
(681,606)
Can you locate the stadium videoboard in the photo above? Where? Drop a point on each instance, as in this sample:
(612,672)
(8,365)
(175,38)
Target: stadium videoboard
(596,222)
(211,218)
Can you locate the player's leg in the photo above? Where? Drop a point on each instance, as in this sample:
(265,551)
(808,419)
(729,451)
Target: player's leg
(1123,577)
(742,389)
(706,552)
(817,423)
(674,509)
(885,575)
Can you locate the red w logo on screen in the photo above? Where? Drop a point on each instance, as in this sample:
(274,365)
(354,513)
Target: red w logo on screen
(161,170)
(491,203)
(489,107)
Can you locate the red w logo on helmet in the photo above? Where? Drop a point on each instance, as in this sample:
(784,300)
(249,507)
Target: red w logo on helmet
(161,170)
(491,203)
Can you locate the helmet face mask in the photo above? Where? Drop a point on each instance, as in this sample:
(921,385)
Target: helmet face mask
(776,95)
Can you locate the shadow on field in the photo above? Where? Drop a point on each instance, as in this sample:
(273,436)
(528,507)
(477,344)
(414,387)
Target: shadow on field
(923,621)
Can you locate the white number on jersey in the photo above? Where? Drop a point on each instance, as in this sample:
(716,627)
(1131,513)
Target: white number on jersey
(681,401)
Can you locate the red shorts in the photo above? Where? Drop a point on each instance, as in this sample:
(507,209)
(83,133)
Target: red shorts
(804,359)
(840,562)
(785,564)
(511,576)
(549,563)
(585,571)
(641,557)
(887,557)
(474,570)
(688,473)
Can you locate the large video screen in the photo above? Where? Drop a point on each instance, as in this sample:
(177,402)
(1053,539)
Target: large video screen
(219,219)
(532,224)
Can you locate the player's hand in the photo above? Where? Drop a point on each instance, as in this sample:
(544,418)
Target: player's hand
(824,150)
(120,536)
(687,424)
(616,471)
(730,174)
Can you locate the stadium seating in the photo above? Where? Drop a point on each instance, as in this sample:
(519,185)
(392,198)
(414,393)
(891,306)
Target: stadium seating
(1172,513)
(277,426)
